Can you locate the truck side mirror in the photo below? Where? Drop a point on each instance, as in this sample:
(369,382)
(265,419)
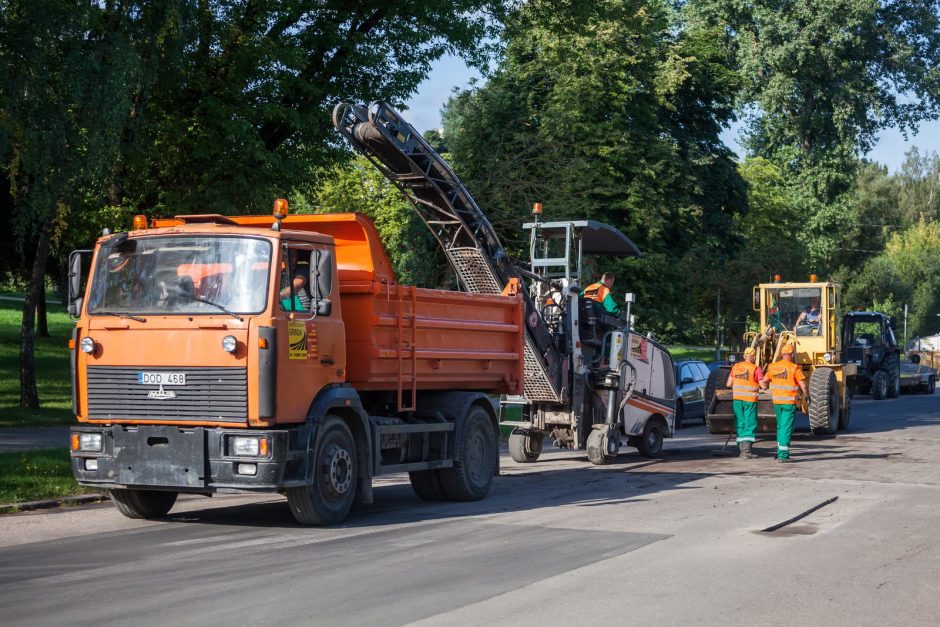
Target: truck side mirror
(75,281)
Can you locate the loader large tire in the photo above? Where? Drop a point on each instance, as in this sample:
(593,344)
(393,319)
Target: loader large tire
(823,402)
(716,381)
(892,365)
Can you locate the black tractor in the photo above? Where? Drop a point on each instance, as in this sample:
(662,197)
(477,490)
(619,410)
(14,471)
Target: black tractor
(868,341)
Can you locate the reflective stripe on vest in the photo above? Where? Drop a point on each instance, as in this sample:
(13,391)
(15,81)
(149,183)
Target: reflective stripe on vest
(783,387)
(744,386)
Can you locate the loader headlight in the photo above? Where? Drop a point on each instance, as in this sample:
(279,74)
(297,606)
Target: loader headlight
(827,357)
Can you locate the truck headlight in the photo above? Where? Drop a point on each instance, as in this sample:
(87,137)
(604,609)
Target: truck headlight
(229,343)
(87,344)
(89,442)
(249,446)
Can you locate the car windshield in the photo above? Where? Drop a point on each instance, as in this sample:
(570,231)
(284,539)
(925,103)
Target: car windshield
(786,305)
(181,275)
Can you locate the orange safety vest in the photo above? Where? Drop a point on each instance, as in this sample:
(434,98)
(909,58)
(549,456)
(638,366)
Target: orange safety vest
(597,292)
(744,386)
(784,382)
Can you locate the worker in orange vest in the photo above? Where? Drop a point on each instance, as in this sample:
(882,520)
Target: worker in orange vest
(786,380)
(744,381)
(600,293)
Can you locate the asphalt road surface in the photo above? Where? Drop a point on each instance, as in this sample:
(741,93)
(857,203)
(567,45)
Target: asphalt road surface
(674,541)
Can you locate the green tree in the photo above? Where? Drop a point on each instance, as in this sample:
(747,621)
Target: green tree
(610,110)
(822,77)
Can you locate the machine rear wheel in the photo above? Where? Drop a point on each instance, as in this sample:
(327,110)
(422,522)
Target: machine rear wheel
(651,442)
(142,503)
(879,385)
(823,402)
(525,446)
(892,366)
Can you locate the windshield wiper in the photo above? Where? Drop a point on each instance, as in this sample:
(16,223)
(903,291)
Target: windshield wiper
(121,315)
(216,305)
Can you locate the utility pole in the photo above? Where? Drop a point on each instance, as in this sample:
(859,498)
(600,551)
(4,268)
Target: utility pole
(718,328)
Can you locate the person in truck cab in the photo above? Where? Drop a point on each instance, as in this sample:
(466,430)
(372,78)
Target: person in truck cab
(299,272)
(600,293)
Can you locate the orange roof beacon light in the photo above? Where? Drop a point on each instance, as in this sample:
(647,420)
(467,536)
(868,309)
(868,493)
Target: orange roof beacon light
(813,278)
(536,211)
(140,222)
(279,212)
(777,278)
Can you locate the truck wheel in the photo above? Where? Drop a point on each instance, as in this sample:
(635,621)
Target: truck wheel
(599,446)
(845,415)
(879,385)
(475,462)
(427,484)
(893,367)
(525,446)
(651,442)
(142,503)
(823,402)
(335,474)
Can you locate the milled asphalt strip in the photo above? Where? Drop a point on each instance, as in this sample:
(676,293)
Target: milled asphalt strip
(789,521)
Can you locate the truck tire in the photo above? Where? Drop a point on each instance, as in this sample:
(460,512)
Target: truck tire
(475,462)
(892,365)
(335,475)
(142,503)
(716,381)
(823,402)
(525,446)
(879,385)
(427,484)
(598,447)
(651,442)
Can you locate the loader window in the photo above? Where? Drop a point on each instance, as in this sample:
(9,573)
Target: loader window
(786,304)
(181,275)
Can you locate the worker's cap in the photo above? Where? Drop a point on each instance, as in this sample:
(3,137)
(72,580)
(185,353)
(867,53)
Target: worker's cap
(787,349)
(750,350)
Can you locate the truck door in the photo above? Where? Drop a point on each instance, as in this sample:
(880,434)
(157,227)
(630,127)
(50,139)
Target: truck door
(311,338)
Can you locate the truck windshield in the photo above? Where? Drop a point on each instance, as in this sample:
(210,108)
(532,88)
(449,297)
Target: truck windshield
(786,304)
(181,275)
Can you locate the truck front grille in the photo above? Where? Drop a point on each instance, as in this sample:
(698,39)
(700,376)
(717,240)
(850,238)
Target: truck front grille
(210,394)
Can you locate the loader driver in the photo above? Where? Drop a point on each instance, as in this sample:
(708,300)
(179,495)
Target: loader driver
(600,294)
(744,380)
(786,380)
(810,317)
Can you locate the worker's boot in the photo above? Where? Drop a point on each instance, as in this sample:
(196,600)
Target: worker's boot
(745,448)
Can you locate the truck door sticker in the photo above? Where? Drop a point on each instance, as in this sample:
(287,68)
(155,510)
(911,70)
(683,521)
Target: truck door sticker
(297,340)
(311,341)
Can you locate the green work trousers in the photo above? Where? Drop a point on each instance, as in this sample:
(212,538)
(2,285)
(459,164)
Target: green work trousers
(745,420)
(784,429)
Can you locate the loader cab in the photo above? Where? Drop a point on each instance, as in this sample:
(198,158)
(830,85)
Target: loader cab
(806,312)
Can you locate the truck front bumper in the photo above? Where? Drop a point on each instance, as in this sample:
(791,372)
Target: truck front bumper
(186,459)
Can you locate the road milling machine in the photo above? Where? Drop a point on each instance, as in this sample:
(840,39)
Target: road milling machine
(589,379)
(817,337)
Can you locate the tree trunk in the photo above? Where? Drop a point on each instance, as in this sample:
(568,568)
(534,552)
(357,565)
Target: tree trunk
(29,393)
(42,322)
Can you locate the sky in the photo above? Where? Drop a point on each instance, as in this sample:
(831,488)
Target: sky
(424,113)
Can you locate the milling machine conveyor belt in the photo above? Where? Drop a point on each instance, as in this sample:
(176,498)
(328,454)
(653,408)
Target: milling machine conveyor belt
(446,207)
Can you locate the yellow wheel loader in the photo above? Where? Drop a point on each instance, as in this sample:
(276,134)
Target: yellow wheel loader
(808,315)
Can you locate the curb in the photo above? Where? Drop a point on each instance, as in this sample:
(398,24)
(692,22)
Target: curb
(26,506)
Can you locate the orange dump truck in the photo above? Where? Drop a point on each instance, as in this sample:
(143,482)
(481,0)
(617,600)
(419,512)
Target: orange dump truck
(214,354)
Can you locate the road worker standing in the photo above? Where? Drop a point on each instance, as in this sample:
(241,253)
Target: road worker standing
(786,380)
(600,293)
(744,381)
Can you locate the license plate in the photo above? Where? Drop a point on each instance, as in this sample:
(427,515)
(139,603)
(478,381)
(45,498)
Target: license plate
(161,378)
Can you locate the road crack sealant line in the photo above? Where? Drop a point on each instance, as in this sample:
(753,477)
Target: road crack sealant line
(789,521)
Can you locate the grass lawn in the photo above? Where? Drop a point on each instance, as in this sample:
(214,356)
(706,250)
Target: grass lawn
(702,353)
(52,370)
(35,475)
